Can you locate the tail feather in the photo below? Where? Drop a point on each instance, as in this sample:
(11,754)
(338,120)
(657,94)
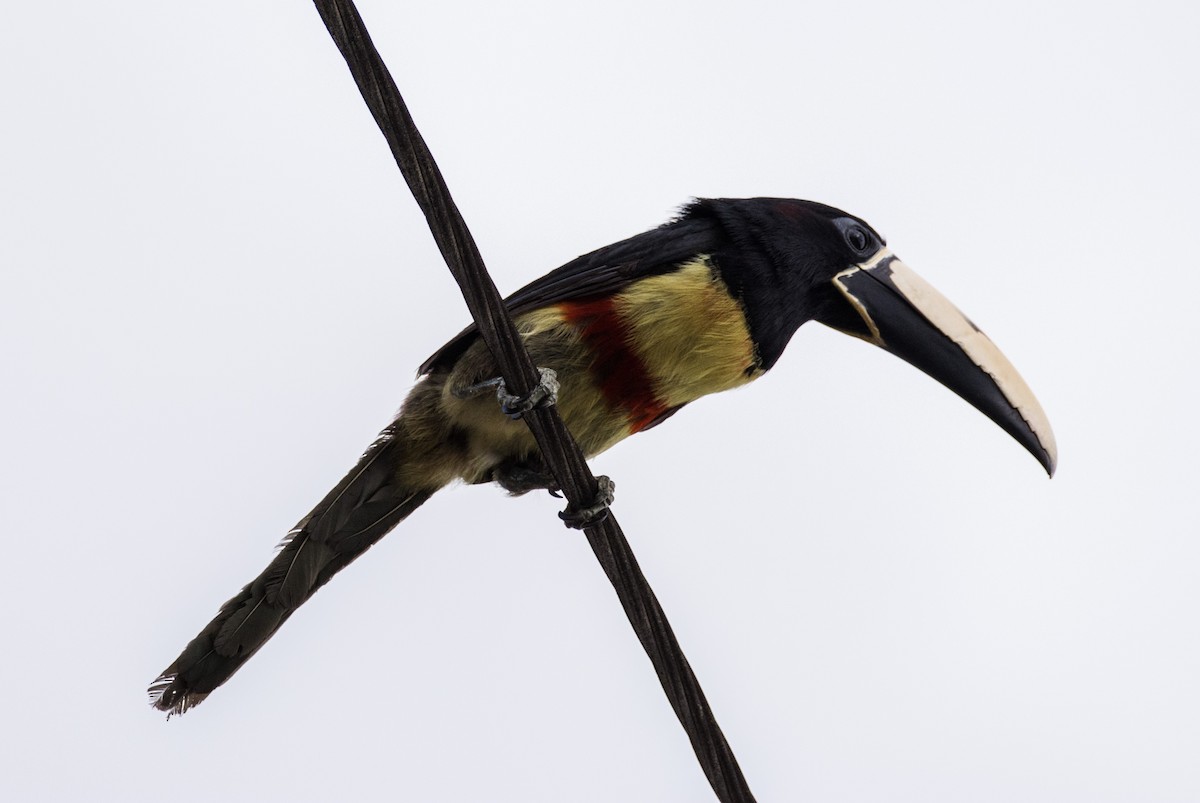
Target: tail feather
(359,511)
(289,579)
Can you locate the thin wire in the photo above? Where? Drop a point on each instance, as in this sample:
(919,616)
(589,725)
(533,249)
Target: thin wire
(559,449)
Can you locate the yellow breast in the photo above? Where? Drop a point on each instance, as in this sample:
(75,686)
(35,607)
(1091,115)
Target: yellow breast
(688,332)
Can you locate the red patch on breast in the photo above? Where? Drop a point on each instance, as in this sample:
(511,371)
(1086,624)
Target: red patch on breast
(617,369)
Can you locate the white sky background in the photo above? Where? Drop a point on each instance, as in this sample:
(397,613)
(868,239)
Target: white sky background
(215,289)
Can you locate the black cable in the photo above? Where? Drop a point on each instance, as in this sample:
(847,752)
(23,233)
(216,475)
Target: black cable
(559,449)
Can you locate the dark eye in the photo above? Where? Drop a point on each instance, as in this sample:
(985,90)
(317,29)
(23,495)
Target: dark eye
(858,239)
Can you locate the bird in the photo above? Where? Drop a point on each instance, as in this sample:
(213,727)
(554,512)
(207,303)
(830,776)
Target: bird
(633,332)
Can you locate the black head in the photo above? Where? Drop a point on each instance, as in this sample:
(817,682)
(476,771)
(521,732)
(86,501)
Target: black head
(795,261)
(780,260)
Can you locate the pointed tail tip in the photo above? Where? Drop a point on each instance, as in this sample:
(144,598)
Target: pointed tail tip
(167,694)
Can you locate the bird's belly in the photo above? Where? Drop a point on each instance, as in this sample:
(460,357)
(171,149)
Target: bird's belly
(624,362)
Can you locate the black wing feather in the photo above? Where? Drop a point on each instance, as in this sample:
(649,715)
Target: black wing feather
(603,272)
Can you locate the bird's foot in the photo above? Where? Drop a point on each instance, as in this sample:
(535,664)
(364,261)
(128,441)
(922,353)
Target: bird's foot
(521,478)
(544,393)
(595,512)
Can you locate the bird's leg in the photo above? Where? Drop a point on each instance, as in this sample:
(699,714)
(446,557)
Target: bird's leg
(519,477)
(531,474)
(595,512)
(543,393)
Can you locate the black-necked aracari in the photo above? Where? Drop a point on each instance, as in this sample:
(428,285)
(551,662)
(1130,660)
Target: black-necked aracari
(634,331)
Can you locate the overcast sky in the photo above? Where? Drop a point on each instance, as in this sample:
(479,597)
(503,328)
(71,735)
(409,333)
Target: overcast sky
(215,289)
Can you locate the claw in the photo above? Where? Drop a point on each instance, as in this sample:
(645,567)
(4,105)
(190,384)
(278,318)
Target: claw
(597,511)
(543,393)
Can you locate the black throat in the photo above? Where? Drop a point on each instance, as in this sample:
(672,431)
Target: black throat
(774,252)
